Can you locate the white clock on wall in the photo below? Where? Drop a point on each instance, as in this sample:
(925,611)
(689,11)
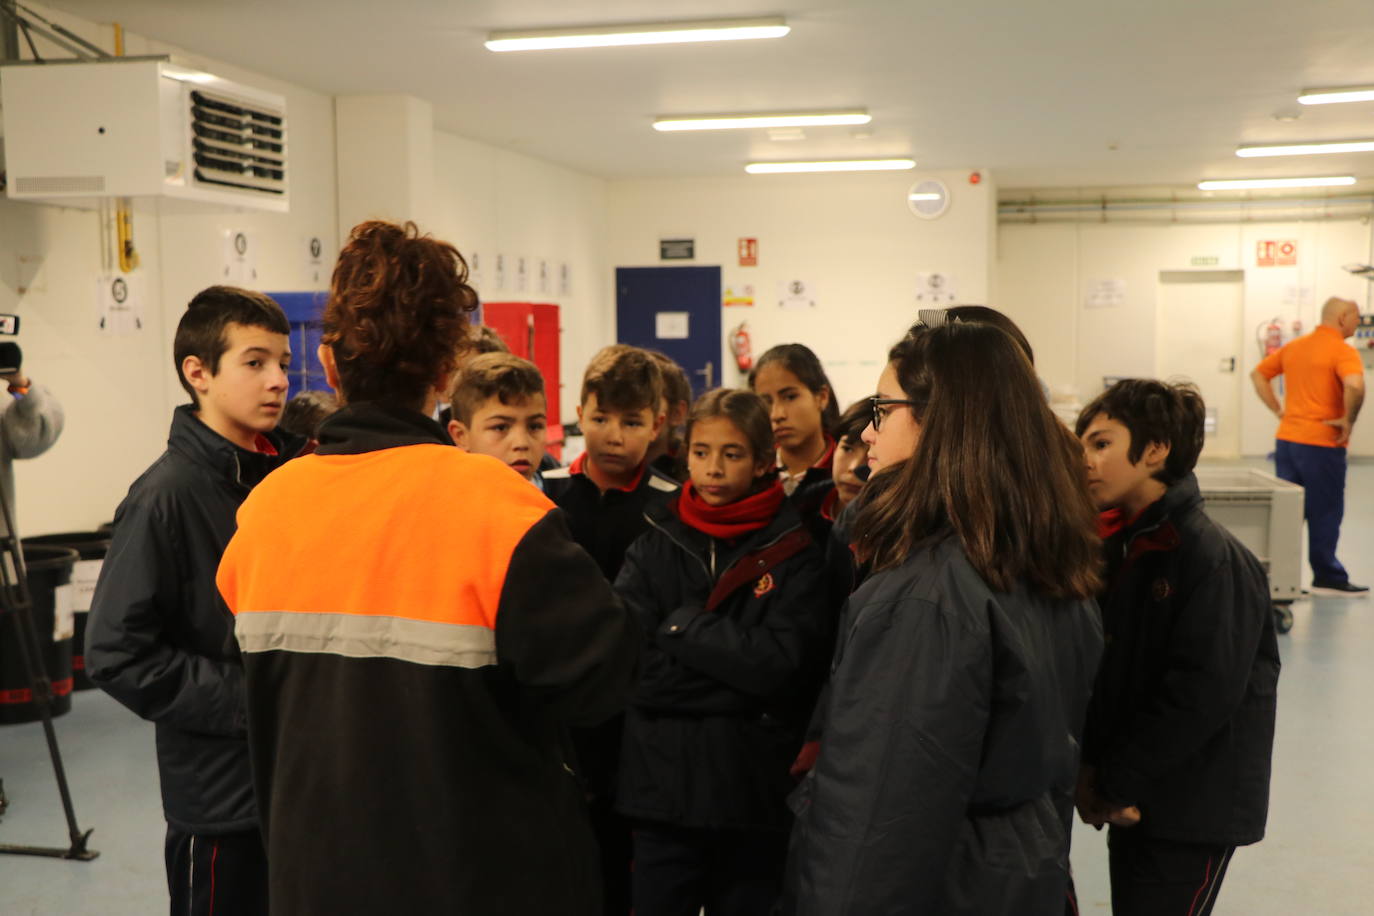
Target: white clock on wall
(928,198)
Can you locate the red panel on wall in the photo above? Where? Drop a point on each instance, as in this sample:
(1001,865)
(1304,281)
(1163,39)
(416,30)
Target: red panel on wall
(531,331)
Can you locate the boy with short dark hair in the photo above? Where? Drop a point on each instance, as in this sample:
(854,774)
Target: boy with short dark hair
(1176,753)
(604,494)
(498,409)
(160,639)
(605,491)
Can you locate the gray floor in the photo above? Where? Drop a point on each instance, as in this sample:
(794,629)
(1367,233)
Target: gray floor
(1318,857)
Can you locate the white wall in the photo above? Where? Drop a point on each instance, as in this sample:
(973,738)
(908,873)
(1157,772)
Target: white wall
(849,235)
(491,202)
(1045,273)
(118,391)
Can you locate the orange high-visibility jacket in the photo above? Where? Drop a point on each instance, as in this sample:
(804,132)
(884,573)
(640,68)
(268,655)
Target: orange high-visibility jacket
(417,627)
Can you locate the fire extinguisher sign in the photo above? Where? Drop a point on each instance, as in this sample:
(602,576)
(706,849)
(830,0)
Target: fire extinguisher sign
(1276,253)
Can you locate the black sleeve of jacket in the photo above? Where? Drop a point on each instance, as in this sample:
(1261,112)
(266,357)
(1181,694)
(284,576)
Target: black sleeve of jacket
(128,652)
(908,712)
(766,659)
(1211,652)
(560,628)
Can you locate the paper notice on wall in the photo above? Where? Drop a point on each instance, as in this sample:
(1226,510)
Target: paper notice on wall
(63,618)
(119,303)
(796,294)
(522,278)
(741,296)
(475,271)
(564,280)
(543,278)
(1106,294)
(500,271)
(314,261)
(1297,295)
(936,288)
(84,576)
(239,260)
(672,325)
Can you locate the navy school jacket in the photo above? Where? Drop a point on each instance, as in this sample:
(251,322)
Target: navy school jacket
(1182,718)
(736,639)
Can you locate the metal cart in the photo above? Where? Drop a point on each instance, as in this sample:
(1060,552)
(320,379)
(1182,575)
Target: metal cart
(1265,514)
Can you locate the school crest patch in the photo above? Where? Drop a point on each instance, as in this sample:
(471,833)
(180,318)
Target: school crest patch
(764,585)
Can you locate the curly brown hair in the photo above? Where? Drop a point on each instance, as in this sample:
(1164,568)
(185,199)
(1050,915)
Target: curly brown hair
(397,313)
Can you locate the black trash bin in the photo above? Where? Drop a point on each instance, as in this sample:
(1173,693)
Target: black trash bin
(49,568)
(92,546)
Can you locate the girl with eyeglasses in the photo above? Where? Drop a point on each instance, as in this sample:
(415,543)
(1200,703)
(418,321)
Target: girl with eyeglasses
(958,693)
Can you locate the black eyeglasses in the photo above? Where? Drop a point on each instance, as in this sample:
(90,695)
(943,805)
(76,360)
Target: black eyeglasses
(879,403)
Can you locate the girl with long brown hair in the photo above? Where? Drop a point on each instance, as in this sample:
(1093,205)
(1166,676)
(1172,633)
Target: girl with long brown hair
(944,783)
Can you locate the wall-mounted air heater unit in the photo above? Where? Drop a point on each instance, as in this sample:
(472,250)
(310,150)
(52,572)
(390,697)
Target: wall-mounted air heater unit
(75,132)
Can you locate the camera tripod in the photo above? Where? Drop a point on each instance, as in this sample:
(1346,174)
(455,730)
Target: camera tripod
(15,600)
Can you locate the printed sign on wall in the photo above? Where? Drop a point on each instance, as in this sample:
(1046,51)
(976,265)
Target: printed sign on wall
(1276,253)
(748,252)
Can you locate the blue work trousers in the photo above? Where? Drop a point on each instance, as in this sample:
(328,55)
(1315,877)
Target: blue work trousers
(1320,471)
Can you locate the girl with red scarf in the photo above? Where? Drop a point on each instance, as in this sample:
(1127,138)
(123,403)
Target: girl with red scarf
(731,593)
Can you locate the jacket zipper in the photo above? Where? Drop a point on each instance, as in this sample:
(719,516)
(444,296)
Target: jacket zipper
(711,569)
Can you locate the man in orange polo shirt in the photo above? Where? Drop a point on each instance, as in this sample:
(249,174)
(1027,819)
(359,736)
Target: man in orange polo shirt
(1325,381)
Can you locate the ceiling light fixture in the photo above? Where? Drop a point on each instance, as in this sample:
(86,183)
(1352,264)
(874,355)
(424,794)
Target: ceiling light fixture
(735,122)
(1249,183)
(659,33)
(1306,149)
(838,165)
(1334,96)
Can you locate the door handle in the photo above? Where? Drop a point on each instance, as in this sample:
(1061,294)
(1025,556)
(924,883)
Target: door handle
(710,373)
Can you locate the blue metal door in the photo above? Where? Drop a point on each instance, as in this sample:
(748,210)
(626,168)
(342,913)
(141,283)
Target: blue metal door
(675,310)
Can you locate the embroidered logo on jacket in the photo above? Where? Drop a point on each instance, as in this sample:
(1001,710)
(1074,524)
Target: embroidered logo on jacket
(764,585)
(1162,589)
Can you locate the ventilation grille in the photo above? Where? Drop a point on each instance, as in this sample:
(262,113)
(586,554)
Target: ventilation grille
(73,184)
(238,144)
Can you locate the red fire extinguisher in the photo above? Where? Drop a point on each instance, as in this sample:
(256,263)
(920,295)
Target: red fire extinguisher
(739,345)
(1272,337)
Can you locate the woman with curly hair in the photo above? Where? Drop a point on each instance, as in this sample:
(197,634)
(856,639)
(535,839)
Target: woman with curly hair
(417,629)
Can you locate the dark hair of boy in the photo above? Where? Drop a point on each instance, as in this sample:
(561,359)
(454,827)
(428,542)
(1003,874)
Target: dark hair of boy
(486,340)
(806,366)
(1153,411)
(397,313)
(493,375)
(1014,495)
(201,332)
(306,411)
(745,410)
(676,388)
(623,378)
(854,421)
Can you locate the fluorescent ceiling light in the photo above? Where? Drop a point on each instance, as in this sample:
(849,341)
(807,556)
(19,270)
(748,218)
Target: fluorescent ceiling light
(1247,183)
(796,119)
(660,33)
(923,196)
(846,165)
(1333,96)
(1307,149)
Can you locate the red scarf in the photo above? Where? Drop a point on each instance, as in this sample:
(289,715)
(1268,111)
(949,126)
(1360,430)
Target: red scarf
(731,520)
